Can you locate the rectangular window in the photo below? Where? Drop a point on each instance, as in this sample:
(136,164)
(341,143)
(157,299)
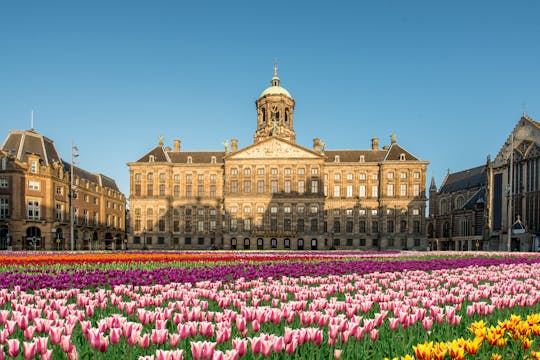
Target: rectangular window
(416,175)
(33,210)
(403,190)
(161,225)
(390,226)
(274,186)
(274,171)
(200,177)
(314,225)
(260,209)
(374,191)
(416,212)
(189,192)
(150,190)
(176,226)
(161,189)
(96,218)
(85,217)
(301,171)
(314,171)
(273,209)
(362,176)
(349,191)
(374,176)
(176,191)
(349,227)
(300,209)
(301,186)
(161,177)
(416,226)
(212,225)
(403,175)
(300,225)
(390,189)
(213,191)
(247,185)
(161,240)
(247,224)
(200,225)
(287,171)
(375,226)
(337,176)
(314,186)
(33,167)
(416,190)
(58,190)
(260,171)
(3,183)
(176,177)
(362,226)
(314,209)
(212,178)
(187,241)
(390,175)
(287,186)
(337,189)
(33,185)
(234,186)
(234,171)
(260,186)
(362,191)
(4,208)
(188,177)
(200,190)
(287,209)
(287,224)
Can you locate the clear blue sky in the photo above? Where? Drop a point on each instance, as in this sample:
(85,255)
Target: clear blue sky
(450,78)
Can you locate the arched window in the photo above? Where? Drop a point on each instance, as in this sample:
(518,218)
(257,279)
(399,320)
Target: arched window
(460,202)
(273,243)
(260,244)
(151,158)
(287,243)
(444,206)
(233,243)
(300,244)
(246,243)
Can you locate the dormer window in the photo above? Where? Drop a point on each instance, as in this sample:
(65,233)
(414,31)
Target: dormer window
(213,160)
(402,157)
(189,160)
(362,159)
(336,158)
(151,158)
(33,167)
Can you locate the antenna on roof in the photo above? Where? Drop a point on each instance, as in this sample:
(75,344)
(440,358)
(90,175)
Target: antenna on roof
(32,120)
(524,107)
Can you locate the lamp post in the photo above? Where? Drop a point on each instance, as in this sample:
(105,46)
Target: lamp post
(72,195)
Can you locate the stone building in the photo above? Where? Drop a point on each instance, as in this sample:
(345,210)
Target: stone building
(516,204)
(457,211)
(35,200)
(474,208)
(277,194)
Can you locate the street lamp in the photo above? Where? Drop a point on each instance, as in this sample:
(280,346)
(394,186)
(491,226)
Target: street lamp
(72,194)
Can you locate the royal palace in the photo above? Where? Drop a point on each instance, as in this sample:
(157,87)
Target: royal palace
(277,194)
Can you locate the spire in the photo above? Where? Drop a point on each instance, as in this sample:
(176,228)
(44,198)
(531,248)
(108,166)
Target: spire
(433,187)
(275,80)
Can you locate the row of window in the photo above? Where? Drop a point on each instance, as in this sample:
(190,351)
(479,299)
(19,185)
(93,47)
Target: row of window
(287,209)
(275,171)
(272,225)
(287,188)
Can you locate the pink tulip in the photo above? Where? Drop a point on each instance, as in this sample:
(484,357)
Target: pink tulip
(73,354)
(114,335)
(427,323)
(10,326)
(174,340)
(65,343)
(144,341)
(159,336)
(13,347)
(29,350)
(255,325)
(2,354)
(41,345)
(47,355)
(337,353)
(374,334)
(394,323)
(55,334)
(240,345)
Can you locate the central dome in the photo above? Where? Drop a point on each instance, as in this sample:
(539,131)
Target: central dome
(275,89)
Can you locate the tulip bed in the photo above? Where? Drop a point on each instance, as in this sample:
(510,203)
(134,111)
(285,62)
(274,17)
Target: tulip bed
(269,305)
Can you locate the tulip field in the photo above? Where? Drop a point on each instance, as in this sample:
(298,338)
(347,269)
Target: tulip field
(269,305)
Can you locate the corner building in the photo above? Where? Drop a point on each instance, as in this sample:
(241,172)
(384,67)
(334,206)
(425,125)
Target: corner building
(35,200)
(276,194)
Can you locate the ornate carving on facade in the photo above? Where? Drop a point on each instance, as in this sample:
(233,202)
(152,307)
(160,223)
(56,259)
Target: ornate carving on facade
(274,148)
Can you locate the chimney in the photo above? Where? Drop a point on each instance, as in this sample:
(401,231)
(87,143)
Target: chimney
(176,145)
(316,144)
(234,145)
(393,138)
(375,143)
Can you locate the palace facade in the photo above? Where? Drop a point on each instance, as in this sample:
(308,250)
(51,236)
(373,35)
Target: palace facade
(35,195)
(277,194)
